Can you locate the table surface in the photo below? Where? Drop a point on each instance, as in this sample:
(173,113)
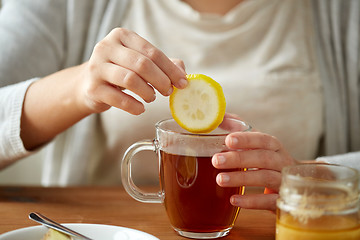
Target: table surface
(112,206)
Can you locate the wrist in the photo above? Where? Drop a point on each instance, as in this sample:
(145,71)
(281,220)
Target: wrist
(80,95)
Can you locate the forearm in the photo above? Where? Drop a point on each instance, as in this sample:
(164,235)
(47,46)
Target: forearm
(51,106)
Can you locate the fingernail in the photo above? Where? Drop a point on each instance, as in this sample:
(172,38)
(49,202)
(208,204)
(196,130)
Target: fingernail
(154,97)
(223,178)
(235,200)
(151,99)
(220,159)
(170,91)
(182,83)
(233,140)
(142,110)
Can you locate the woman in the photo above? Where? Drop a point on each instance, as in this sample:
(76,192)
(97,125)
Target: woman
(261,52)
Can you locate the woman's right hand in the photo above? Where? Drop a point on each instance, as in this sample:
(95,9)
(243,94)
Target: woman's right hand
(124,60)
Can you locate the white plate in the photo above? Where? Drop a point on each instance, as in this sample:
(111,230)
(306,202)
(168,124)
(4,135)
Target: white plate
(94,231)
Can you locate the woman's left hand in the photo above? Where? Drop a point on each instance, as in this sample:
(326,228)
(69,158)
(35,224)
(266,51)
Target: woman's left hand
(264,157)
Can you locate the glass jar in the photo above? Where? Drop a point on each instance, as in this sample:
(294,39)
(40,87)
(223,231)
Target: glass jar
(318,201)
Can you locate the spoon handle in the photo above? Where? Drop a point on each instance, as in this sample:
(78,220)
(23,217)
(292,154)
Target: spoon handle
(37,217)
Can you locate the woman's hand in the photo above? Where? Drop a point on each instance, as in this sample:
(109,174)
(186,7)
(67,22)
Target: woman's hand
(124,60)
(264,157)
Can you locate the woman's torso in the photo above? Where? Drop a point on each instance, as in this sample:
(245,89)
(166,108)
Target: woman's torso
(261,53)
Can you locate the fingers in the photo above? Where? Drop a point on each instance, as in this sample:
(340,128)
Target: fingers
(148,61)
(114,97)
(124,60)
(265,159)
(252,150)
(180,64)
(264,156)
(252,140)
(127,79)
(143,67)
(262,178)
(230,123)
(255,201)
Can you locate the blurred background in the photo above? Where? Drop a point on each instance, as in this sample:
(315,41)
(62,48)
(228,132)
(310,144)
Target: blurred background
(15,174)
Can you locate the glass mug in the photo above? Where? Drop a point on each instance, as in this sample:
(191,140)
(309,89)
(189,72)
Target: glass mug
(196,206)
(318,201)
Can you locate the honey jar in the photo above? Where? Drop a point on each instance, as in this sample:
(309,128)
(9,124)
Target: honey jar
(318,202)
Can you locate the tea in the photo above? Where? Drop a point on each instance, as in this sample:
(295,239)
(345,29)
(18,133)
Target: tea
(196,206)
(190,182)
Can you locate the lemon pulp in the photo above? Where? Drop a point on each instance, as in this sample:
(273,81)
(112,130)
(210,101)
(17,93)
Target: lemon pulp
(200,107)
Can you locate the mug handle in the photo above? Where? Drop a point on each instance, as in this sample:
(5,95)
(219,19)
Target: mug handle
(126,179)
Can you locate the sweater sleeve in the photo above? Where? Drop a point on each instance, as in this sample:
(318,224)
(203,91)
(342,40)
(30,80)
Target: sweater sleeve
(351,159)
(11,102)
(32,45)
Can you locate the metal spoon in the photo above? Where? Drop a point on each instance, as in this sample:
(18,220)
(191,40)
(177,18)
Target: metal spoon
(37,217)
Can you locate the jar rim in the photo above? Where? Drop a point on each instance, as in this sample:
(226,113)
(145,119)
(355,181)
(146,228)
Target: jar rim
(302,172)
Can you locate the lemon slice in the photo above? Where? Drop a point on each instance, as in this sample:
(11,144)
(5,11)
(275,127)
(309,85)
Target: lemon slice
(200,107)
(55,235)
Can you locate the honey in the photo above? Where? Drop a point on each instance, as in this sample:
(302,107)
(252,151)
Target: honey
(323,228)
(318,202)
